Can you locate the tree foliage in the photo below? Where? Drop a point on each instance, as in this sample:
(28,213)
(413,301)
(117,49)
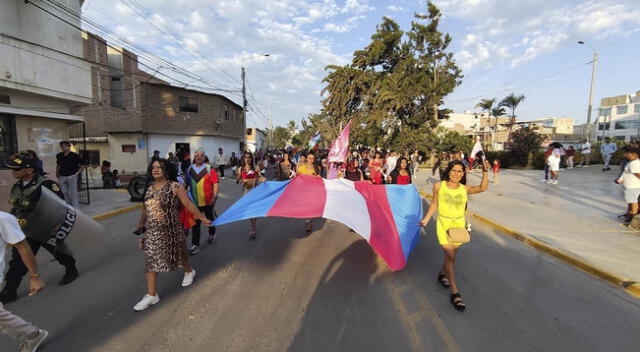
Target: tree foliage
(393,87)
(523,142)
(281,136)
(441,139)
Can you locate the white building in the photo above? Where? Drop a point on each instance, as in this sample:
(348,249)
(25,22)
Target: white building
(619,118)
(42,75)
(462,122)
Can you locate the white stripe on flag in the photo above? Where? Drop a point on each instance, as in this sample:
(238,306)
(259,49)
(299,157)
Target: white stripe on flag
(348,206)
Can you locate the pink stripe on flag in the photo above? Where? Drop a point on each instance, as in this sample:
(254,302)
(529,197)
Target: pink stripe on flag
(304,197)
(384,234)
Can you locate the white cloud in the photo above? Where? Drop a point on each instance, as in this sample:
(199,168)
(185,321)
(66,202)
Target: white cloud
(515,32)
(395,8)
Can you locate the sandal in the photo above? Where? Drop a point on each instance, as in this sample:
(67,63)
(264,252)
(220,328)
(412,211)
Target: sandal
(442,278)
(458,304)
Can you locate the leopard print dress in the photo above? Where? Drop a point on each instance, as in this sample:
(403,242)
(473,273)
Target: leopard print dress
(165,247)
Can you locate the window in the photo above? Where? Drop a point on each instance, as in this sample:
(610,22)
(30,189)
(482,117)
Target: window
(624,125)
(606,126)
(621,109)
(116,93)
(188,104)
(636,108)
(4,99)
(226,112)
(8,138)
(128,148)
(605,111)
(92,157)
(620,138)
(249,131)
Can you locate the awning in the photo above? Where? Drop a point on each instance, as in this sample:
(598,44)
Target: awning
(37,113)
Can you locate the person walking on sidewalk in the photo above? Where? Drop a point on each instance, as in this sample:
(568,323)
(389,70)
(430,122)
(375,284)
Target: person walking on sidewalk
(12,325)
(450,201)
(165,247)
(221,162)
(202,183)
(233,163)
(570,153)
(630,180)
(553,160)
(248,175)
(585,150)
(24,198)
(69,166)
(495,168)
(607,150)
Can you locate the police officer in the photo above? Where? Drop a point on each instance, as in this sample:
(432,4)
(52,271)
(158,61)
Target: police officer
(24,197)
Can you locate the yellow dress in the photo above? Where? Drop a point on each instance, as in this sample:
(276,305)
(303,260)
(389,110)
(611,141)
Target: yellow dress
(304,170)
(452,204)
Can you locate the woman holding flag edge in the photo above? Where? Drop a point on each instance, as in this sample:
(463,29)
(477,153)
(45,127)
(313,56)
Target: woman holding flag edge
(450,201)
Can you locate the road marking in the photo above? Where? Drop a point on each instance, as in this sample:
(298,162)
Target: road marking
(630,286)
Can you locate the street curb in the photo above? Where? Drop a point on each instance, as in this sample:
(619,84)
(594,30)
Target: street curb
(112,213)
(631,287)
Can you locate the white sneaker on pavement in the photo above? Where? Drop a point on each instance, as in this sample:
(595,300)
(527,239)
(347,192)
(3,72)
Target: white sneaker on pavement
(544,180)
(194,250)
(145,302)
(188,278)
(549,181)
(31,345)
(554,182)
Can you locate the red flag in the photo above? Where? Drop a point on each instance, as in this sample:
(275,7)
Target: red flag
(340,147)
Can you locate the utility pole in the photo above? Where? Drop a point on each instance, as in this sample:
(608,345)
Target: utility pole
(593,82)
(244,108)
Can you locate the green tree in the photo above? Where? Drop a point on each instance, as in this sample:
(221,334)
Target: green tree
(512,101)
(498,112)
(486,105)
(522,143)
(281,137)
(441,139)
(393,87)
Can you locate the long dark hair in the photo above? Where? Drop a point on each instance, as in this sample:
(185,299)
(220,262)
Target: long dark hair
(450,166)
(396,172)
(243,163)
(168,170)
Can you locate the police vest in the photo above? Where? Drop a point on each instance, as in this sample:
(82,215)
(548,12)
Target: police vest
(24,199)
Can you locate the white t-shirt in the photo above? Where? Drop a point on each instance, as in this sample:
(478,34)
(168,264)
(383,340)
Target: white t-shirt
(629,180)
(586,148)
(10,233)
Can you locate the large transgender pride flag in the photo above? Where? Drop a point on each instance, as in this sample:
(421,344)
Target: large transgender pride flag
(387,216)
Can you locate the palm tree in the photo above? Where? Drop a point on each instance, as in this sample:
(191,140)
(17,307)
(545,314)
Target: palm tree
(487,105)
(498,112)
(512,101)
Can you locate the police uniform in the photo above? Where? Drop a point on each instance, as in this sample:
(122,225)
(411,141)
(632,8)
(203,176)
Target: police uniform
(23,199)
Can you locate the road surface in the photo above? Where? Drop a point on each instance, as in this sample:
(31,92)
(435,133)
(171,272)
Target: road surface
(327,291)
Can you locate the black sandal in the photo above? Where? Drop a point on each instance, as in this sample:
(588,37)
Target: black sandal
(442,279)
(457,304)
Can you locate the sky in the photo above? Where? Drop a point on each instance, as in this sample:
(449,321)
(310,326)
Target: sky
(502,46)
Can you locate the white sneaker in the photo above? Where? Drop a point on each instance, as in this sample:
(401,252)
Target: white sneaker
(544,180)
(549,181)
(585,165)
(31,345)
(146,301)
(188,278)
(194,250)
(554,182)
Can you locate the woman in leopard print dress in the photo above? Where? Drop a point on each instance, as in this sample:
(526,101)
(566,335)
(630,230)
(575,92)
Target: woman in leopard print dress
(165,247)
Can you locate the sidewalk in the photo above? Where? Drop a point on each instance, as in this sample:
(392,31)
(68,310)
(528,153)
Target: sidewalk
(578,216)
(107,200)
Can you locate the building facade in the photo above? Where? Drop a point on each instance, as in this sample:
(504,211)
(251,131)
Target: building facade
(43,77)
(619,118)
(256,139)
(134,113)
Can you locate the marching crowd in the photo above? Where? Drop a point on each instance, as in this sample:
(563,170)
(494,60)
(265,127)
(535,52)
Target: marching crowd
(181,196)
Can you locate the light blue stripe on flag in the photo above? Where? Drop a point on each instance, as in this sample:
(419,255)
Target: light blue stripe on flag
(254,204)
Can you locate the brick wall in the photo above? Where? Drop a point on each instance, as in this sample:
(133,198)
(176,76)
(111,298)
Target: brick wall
(160,113)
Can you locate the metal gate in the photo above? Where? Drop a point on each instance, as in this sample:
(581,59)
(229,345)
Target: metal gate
(77,135)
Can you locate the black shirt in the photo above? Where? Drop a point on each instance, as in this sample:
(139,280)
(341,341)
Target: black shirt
(69,164)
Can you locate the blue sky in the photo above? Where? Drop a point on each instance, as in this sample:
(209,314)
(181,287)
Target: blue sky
(503,46)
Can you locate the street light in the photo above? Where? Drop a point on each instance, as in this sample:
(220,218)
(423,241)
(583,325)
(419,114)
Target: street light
(244,91)
(593,81)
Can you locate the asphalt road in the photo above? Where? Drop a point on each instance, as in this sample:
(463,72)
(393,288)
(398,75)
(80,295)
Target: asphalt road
(328,291)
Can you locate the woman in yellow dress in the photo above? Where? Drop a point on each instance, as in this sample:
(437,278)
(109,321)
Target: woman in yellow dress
(450,201)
